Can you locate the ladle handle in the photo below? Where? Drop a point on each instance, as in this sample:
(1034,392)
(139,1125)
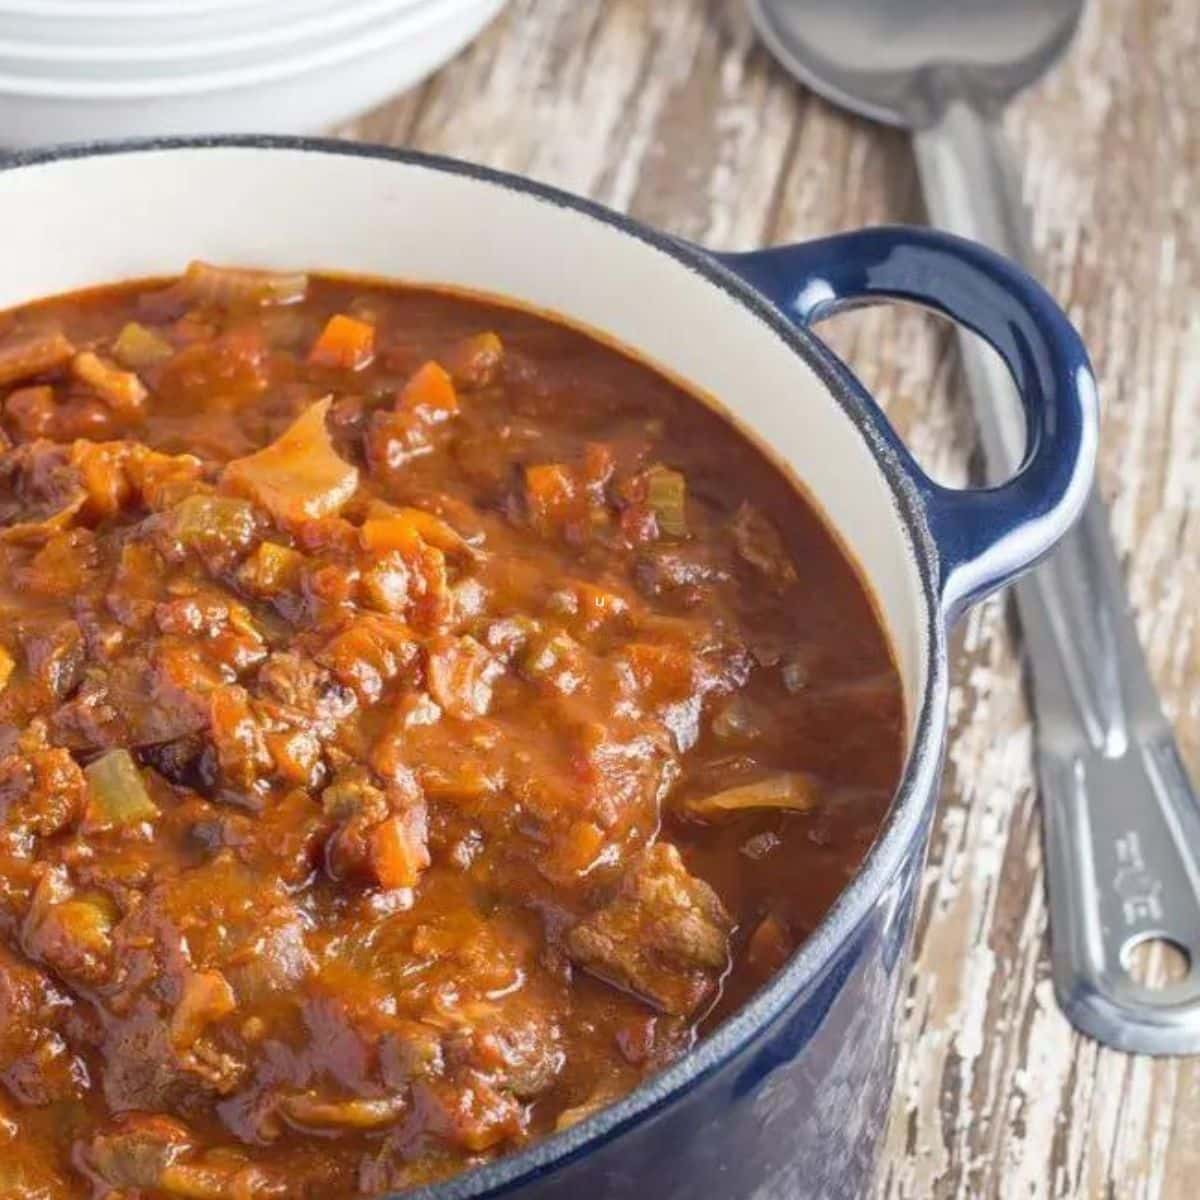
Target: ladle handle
(1122,824)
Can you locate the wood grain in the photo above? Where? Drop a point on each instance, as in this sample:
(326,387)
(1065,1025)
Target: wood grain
(670,111)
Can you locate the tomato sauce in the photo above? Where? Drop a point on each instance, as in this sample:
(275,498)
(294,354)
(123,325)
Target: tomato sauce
(419,722)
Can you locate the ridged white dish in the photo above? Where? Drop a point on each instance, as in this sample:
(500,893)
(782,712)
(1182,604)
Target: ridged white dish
(189,42)
(300,93)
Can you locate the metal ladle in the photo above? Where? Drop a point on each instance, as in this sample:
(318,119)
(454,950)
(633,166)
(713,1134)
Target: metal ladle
(1122,826)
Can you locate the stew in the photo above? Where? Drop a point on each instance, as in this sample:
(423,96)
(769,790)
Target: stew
(419,722)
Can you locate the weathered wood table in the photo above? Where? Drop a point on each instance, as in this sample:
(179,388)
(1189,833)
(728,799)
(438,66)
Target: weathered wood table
(668,109)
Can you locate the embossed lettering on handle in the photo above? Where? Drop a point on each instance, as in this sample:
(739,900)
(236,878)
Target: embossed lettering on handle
(1121,817)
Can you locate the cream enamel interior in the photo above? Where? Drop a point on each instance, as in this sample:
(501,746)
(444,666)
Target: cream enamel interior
(75,222)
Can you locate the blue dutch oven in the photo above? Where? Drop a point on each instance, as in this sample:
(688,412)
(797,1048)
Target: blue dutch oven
(788,1098)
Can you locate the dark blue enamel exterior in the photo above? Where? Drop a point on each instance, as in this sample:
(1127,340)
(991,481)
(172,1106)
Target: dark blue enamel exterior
(796,1111)
(786,1101)
(987,536)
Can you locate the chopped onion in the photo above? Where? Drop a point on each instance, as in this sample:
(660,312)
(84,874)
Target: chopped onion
(758,542)
(795,790)
(122,391)
(580,1112)
(300,476)
(309,1110)
(33,532)
(740,720)
(795,675)
(208,284)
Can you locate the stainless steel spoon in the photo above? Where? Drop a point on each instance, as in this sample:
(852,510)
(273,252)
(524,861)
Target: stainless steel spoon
(1122,824)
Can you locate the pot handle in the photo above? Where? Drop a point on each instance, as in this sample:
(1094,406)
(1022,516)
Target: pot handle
(985,537)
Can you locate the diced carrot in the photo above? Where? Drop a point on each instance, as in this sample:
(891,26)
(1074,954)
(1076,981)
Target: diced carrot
(237,737)
(575,854)
(398,850)
(369,653)
(296,754)
(474,361)
(344,343)
(101,467)
(661,673)
(552,496)
(431,393)
(381,534)
(432,529)
(437,532)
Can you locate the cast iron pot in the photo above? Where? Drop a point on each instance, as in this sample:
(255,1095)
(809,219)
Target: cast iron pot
(787,1099)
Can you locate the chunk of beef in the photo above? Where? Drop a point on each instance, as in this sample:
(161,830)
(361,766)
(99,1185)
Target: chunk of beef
(758,542)
(68,932)
(136,1149)
(202,947)
(298,685)
(516,1046)
(666,569)
(41,489)
(41,786)
(240,924)
(664,936)
(140,700)
(54,654)
(36,1064)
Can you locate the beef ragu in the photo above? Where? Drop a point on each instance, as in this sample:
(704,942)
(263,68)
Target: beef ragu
(419,723)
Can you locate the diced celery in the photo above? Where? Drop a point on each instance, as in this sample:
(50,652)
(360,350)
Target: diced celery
(137,347)
(117,794)
(666,494)
(205,520)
